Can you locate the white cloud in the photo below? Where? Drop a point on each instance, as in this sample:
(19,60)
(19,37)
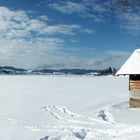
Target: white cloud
(100,8)
(44,17)
(62,29)
(89,31)
(29,42)
(23,53)
(19,23)
(118,53)
(68,7)
(129,22)
(106,59)
(73,41)
(90,9)
(114,58)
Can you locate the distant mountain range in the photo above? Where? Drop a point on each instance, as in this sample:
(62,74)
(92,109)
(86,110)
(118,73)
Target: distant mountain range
(19,71)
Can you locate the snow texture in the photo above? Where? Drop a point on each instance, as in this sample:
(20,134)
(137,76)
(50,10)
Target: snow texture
(66,108)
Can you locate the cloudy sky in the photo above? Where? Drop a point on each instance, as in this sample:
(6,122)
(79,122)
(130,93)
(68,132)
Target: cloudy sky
(65,34)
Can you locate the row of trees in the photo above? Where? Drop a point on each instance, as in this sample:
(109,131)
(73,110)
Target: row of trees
(108,71)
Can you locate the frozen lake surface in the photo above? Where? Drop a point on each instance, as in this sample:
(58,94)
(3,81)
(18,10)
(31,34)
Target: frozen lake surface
(66,108)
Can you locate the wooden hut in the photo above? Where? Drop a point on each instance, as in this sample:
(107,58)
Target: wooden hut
(132,68)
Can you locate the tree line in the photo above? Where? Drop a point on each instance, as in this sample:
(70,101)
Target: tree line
(108,71)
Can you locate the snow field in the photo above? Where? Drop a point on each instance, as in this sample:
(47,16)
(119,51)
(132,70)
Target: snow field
(66,108)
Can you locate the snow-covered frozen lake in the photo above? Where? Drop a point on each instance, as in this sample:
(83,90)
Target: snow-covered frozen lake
(66,108)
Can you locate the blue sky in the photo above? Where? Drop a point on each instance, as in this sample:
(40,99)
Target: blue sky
(66,34)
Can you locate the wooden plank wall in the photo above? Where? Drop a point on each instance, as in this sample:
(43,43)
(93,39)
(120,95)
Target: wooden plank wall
(134,84)
(134,87)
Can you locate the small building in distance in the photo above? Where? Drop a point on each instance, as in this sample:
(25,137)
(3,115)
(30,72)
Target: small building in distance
(132,68)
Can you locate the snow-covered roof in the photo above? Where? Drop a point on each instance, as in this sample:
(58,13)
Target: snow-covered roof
(132,65)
